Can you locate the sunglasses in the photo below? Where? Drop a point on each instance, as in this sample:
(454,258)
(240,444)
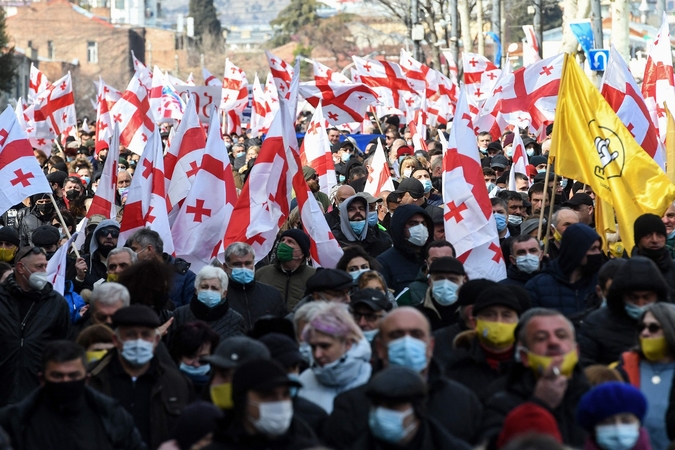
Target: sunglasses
(652,327)
(114,232)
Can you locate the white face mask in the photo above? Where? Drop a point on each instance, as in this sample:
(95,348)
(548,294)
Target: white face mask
(407,173)
(418,235)
(275,417)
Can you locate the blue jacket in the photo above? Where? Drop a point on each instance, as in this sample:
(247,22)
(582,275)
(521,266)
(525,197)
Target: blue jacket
(401,264)
(183,281)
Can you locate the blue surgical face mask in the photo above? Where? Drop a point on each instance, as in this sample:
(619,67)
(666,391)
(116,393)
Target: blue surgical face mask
(341,178)
(123,191)
(209,298)
(197,371)
(671,235)
(345,157)
(527,263)
(563,183)
(387,424)
(408,352)
(372,218)
(242,275)
(530,152)
(357,273)
(357,226)
(633,311)
(294,377)
(86,180)
(444,292)
(306,351)
(137,352)
(427,186)
(483,150)
(618,436)
(370,334)
(501,222)
(541,170)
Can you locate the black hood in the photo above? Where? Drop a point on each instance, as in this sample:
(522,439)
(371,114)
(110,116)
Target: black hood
(397,225)
(576,241)
(638,274)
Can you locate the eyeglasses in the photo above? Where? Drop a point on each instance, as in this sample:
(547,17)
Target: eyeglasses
(114,232)
(652,327)
(370,317)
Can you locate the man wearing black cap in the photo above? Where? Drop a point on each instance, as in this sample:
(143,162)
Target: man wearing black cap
(446,276)
(290,271)
(356,228)
(398,415)
(9,244)
(65,413)
(263,412)
(411,229)
(56,181)
(411,191)
(499,164)
(330,285)
(368,307)
(153,391)
(32,314)
(41,213)
(582,204)
(46,237)
(483,355)
(284,350)
(650,241)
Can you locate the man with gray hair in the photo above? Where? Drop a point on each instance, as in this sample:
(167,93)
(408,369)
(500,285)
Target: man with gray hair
(104,301)
(250,298)
(548,373)
(149,245)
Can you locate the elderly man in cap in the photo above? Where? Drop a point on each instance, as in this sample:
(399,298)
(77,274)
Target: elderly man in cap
(582,204)
(486,353)
(32,314)
(263,415)
(290,271)
(368,308)
(446,276)
(499,163)
(330,285)
(405,340)
(398,415)
(228,356)
(153,391)
(358,225)
(285,351)
(312,179)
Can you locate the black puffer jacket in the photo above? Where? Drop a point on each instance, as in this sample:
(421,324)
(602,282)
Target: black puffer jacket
(233,436)
(430,436)
(518,387)
(22,340)
(254,300)
(118,424)
(401,264)
(221,318)
(608,332)
(455,407)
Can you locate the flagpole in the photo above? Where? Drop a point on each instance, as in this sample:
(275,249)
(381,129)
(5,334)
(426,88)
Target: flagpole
(63,223)
(378,122)
(543,201)
(550,209)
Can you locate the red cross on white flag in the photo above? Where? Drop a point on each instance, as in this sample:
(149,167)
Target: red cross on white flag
(234,97)
(379,177)
(104,199)
(480,76)
(315,151)
(520,162)
(40,134)
(106,99)
(56,266)
(56,105)
(209,79)
(132,114)
(38,83)
(261,112)
(20,173)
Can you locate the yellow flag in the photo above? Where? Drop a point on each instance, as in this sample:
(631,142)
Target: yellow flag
(604,221)
(591,145)
(670,145)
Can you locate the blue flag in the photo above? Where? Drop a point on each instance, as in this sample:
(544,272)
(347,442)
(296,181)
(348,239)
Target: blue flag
(584,33)
(498,45)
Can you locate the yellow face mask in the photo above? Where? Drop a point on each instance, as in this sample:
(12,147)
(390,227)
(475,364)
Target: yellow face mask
(221,396)
(7,254)
(96,355)
(496,334)
(654,349)
(112,277)
(557,236)
(539,363)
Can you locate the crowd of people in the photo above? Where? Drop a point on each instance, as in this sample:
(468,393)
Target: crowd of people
(394,348)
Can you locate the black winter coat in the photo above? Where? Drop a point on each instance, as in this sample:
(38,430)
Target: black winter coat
(516,277)
(117,422)
(254,300)
(231,435)
(455,407)
(430,436)
(518,387)
(221,318)
(375,243)
(604,336)
(444,337)
(22,341)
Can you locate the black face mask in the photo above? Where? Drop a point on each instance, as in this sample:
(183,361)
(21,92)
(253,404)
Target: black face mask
(64,396)
(72,194)
(654,255)
(593,264)
(45,209)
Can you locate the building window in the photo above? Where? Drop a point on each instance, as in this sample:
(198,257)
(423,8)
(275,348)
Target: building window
(51,53)
(92,52)
(119,4)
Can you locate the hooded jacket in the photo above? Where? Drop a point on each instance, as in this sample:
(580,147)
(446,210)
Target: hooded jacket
(552,288)
(96,268)
(608,332)
(401,264)
(665,264)
(372,239)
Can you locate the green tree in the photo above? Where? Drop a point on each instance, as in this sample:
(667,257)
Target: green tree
(7,63)
(206,19)
(298,14)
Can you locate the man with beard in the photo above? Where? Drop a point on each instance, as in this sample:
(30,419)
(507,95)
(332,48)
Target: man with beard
(312,179)
(102,242)
(40,214)
(359,227)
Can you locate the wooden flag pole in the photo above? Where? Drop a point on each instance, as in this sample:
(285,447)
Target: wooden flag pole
(63,223)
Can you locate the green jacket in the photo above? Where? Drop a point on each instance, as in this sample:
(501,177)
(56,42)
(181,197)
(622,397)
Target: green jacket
(415,292)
